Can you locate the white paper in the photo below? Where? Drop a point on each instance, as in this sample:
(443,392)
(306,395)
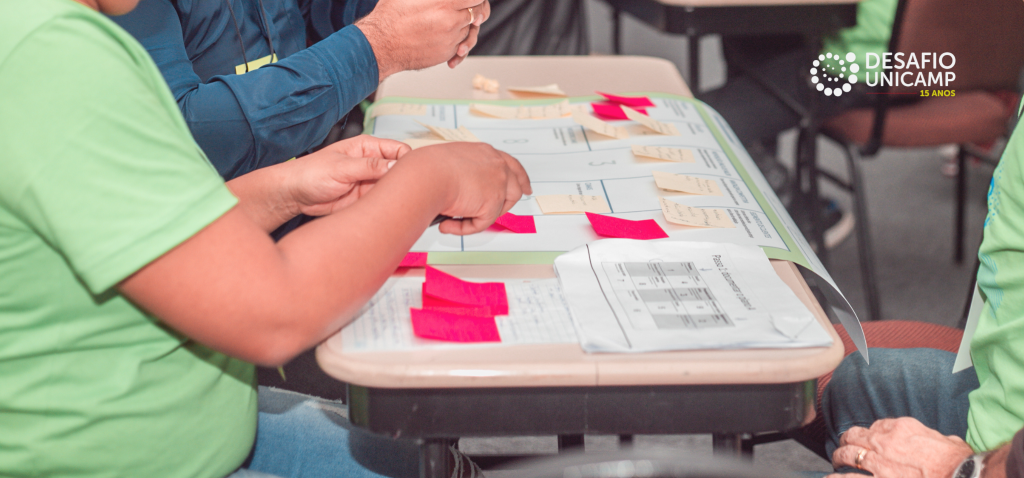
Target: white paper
(963,355)
(641,296)
(537,314)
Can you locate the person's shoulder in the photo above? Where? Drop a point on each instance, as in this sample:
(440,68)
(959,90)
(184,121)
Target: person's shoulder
(20,21)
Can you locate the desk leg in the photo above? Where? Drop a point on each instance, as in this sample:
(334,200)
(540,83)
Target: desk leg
(693,41)
(616,31)
(570,442)
(436,460)
(727,444)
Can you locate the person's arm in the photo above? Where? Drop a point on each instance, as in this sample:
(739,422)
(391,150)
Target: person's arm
(233,289)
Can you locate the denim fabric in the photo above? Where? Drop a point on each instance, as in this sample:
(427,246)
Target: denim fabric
(916,383)
(302,436)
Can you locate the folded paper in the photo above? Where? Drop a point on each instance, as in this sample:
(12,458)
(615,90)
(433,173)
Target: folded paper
(696,217)
(449,134)
(557,110)
(572,204)
(609,226)
(405,109)
(517,224)
(667,129)
(547,90)
(599,126)
(631,101)
(437,325)
(679,155)
(477,294)
(482,82)
(611,111)
(686,184)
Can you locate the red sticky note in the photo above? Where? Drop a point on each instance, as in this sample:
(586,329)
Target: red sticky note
(433,324)
(612,111)
(414,259)
(517,224)
(631,101)
(433,303)
(609,226)
(478,294)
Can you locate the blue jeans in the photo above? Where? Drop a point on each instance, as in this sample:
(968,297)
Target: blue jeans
(916,383)
(302,436)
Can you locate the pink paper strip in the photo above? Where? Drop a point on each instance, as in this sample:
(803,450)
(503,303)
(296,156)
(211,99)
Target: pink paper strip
(414,259)
(631,101)
(451,288)
(609,226)
(517,224)
(433,303)
(612,111)
(432,324)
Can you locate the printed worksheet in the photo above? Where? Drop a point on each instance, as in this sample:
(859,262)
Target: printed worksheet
(563,157)
(537,314)
(640,296)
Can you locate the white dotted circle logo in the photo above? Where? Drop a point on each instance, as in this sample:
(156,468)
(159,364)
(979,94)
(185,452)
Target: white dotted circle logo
(837,75)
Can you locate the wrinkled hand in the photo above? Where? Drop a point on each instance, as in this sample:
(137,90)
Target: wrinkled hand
(901,448)
(484,183)
(338,175)
(416,34)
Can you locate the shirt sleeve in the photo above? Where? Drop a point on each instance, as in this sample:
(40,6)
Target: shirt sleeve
(266,116)
(98,162)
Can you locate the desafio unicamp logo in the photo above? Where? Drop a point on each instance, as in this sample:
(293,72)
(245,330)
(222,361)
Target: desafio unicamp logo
(928,73)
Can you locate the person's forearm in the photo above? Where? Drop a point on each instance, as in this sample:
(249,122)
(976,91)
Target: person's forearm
(262,198)
(280,299)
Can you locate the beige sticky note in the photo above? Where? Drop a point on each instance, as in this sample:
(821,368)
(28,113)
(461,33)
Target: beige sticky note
(557,110)
(599,126)
(408,109)
(549,90)
(652,124)
(686,184)
(697,217)
(482,82)
(665,153)
(448,134)
(572,204)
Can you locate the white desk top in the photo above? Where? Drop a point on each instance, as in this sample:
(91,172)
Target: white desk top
(567,364)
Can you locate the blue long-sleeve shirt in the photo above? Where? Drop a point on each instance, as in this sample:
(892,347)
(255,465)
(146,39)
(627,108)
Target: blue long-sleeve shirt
(266,116)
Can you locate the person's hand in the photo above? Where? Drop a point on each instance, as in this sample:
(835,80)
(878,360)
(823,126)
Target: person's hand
(339,174)
(481,13)
(484,183)
(900,447)
(416,34)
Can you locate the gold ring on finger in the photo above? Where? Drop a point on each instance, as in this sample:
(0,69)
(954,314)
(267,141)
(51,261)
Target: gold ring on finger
(472,18)
(860,458)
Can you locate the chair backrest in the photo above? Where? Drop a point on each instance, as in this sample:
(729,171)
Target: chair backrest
(987,38)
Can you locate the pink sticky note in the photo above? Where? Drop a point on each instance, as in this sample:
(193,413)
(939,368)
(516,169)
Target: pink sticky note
(432,324)
(517,224)
(478,294)
(609,226)
(612,111)
(433,303)
(414,259)
(631,101)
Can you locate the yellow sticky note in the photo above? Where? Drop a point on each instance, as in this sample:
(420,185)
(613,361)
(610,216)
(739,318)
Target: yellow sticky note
(686,184)
(417,143)
(665,153)
(697,217)
(448,134)
(549,90)
(667,129)
(408,109)
(572,204)
(557,110)
(482,82)
(599,126)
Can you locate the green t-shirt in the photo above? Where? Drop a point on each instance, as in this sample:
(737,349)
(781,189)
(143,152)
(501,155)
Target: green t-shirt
(98,177)
(871,35)
(997,406)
